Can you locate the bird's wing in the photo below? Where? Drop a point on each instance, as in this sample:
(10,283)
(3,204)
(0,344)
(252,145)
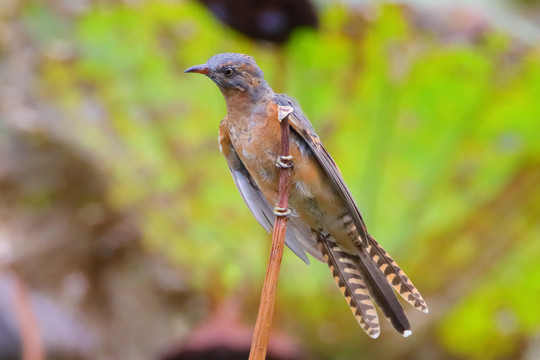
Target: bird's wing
(297,231)
(301,125)
(393,273)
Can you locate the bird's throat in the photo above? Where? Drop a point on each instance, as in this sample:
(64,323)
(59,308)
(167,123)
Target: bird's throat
(243,101)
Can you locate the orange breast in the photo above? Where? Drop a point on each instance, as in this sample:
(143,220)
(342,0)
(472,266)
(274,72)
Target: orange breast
(257,141)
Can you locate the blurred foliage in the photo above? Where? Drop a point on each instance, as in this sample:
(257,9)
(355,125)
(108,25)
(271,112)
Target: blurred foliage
(434,137)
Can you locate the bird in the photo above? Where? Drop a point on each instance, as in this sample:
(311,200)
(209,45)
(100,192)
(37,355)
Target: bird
(324,219)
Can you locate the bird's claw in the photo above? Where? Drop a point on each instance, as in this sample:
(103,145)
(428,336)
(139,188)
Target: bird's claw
(284,111)
(282,212)
(284,162)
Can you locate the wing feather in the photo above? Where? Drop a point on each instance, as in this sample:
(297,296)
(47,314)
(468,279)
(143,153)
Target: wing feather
(301,125)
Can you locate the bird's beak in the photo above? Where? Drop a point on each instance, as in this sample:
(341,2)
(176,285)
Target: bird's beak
(199,69)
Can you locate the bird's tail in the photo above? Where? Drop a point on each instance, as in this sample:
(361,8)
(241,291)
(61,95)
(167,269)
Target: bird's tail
(363,281)
(395,276)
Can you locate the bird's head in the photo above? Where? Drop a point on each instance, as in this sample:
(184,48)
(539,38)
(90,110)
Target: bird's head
(233,73)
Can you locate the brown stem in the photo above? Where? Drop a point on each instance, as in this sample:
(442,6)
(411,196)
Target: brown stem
(261,334)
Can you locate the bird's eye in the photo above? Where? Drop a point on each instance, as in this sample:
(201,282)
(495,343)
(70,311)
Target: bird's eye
(228,72)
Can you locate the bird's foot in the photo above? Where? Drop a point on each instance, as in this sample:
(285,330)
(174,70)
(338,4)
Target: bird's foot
(284,111)
(284,162)
(282,212)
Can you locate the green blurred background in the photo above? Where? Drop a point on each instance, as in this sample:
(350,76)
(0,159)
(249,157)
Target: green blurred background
(118,212)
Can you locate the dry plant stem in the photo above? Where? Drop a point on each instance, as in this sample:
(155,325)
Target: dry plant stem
(32,347)
(261,334)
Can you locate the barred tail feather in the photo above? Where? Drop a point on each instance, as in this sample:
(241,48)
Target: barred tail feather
(395,276)
(352,285)
(383,293)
